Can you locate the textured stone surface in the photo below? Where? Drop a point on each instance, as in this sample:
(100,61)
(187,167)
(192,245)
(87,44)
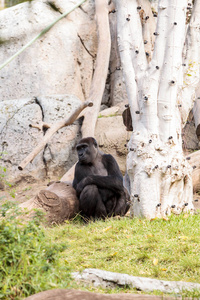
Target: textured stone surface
(190,139)
(60,62)
(18,139)
(112,136)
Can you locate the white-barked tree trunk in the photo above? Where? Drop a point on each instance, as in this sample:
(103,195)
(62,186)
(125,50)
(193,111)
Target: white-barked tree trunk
(161,94)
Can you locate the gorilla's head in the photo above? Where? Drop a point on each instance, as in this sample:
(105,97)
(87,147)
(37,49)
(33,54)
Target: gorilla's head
(87,150)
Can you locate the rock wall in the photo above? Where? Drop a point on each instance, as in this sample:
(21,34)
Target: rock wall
(44,83)
(60,62)
(111,134)
(18,139)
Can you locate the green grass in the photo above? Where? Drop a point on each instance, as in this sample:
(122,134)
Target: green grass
(159,249)
(44,258)
(29,261)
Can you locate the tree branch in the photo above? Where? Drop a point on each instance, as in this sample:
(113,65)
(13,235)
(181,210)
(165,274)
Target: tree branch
(101,70)
(171,71)
(130,21)
(125,49)
(191,63)
(55,127)
(161,35)
(148,27)
(152,79)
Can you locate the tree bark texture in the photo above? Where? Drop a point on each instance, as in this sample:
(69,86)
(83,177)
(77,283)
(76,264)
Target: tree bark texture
(160,176)
(58,201)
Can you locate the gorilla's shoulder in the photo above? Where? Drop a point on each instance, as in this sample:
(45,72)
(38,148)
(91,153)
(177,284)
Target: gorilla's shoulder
(108,160)
(108,157)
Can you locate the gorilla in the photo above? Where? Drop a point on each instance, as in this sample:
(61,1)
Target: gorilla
(98,182)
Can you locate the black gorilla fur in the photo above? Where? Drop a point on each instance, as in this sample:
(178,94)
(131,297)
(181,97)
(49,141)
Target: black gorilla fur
(98,182)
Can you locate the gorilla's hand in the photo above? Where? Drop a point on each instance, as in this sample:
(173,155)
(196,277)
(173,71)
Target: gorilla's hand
(80,186)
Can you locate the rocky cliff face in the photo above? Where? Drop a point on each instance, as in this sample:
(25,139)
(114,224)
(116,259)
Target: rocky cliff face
(60,62)
(45,83)
(18,138)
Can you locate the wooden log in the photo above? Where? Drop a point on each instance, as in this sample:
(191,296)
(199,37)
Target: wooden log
(107,279)
(58,201)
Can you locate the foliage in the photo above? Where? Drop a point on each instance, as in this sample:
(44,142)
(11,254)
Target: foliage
(3,180)
(2,172)
(29,263)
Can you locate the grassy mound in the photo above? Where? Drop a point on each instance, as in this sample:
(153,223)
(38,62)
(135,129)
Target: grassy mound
(34,258)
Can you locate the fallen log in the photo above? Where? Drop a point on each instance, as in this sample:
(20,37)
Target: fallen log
(58,201)
(107,279)
(69,176)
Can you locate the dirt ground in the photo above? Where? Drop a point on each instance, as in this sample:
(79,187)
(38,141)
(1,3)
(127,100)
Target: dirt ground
(23,191)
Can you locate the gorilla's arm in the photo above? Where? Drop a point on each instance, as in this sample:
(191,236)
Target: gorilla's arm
(81,172)
(104,182)
(114,180)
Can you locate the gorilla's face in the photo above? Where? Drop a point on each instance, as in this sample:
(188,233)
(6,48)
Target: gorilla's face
(87,150)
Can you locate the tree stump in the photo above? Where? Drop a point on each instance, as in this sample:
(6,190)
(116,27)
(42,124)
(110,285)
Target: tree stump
(58,201)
